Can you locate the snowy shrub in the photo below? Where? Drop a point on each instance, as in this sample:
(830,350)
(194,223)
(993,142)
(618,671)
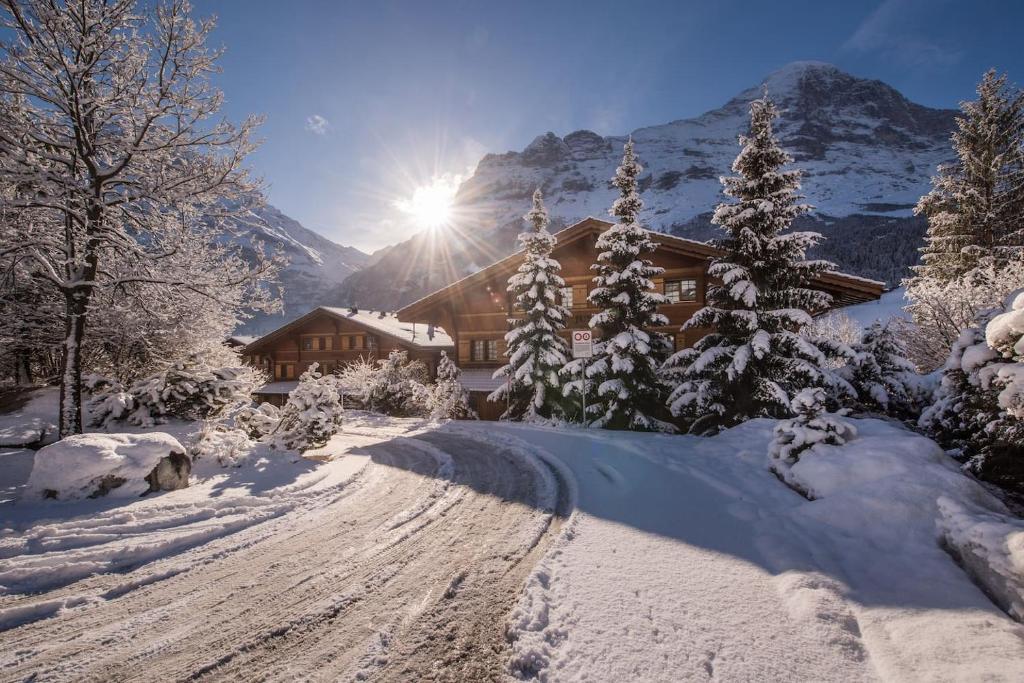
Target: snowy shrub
(354,377)
(396,386)
(229,446)
(835,327)
(187,390)
(979,406)
(755,359)
(311,415)
(943,309)
(107,402)
(259,421)
(448,398)
(94,465)
(811,427)
(880,373)
(534,350)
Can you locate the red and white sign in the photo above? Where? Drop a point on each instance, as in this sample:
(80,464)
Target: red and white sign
(582,344)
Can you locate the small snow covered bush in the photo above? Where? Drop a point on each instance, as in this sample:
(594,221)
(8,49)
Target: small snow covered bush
(310,416)
(811,427)
(229,446)
(395,386)
(94,465)
(448,398)
(880,373)
(979,407)
(257,422)
(188,390)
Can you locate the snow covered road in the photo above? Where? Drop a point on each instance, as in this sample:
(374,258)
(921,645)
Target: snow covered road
(471,550)
(401,568)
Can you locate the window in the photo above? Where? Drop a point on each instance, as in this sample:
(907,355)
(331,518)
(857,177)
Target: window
(307,344)
(285,371)
(483,350)
(567,297)
(680,290)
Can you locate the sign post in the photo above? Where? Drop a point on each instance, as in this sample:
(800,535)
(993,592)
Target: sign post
(583,347)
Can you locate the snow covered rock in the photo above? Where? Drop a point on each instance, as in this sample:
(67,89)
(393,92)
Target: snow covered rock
(990,547)
(121,465)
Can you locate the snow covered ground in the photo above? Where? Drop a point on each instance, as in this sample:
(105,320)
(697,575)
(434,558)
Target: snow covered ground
(466,550)
(687,559)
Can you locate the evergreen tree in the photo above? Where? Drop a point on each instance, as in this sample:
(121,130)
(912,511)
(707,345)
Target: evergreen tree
(629,354)
(979,407)
(311,415)
(881,374)
(755,359)
(975,209)
(535,351)
(449,399)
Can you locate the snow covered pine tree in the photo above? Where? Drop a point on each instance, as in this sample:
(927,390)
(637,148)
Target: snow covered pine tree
(975,210)
(535,351)
(755,359)
(881,374)
(979,407)
(448,398)
(310,416)
(629,354)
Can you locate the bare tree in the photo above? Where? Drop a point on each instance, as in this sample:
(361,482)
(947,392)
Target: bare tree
(125,179)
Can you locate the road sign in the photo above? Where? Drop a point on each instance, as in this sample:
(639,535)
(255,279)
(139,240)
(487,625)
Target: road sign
(582,344)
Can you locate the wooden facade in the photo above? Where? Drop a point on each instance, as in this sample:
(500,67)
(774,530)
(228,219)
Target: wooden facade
(475,310)
(334,337)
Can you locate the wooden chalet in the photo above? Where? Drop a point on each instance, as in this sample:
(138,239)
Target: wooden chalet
(333,337)
(474,311)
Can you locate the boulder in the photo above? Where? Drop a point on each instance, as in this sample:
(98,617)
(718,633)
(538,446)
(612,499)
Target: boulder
(121,465)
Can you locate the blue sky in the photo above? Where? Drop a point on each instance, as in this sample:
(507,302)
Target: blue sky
(365,101)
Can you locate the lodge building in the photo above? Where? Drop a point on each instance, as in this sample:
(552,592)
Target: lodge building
(469,318)
(333,337)
(474,310)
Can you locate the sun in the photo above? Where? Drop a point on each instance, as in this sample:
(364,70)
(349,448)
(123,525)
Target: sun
(431,205)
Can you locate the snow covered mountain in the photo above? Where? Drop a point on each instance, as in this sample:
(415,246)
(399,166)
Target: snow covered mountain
(316,264)
(867,150)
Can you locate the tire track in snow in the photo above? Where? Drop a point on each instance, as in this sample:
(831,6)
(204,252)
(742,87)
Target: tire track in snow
(416,565)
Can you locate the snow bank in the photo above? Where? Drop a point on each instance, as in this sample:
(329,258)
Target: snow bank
(990,546)
(93,465)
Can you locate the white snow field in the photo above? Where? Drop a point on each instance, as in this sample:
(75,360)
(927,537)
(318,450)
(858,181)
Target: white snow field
(479,551)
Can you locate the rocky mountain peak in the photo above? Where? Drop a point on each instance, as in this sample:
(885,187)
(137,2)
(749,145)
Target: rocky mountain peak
(867,152)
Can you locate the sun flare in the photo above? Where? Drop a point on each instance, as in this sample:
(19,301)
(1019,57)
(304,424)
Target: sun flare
(431,205)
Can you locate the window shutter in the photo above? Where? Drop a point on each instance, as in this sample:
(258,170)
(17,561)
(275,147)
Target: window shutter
(463,350)
(659,285)
(681,341)
(502,346)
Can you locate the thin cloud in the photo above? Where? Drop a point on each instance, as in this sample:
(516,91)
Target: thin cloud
(317,125)
(885,33)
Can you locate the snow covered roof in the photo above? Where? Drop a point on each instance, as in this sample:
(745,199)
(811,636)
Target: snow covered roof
(421,335)
(479,380)
(416,335)
(242,339)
